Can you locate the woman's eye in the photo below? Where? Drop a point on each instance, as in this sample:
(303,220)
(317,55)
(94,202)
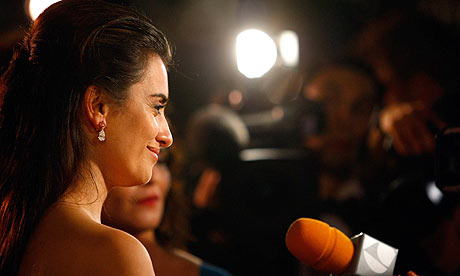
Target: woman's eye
(157,110)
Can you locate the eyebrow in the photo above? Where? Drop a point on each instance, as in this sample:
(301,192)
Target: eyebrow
(163,97)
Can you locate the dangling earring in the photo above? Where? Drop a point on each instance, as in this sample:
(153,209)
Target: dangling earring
(101,132)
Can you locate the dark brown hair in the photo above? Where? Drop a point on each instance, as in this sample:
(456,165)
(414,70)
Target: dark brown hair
(72,45)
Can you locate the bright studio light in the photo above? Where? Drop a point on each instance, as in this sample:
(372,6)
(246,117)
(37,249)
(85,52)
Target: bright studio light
(36,7)
(289,48)
(255,53)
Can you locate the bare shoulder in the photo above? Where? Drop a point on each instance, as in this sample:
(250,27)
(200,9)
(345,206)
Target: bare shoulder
(118,253)
(73,245)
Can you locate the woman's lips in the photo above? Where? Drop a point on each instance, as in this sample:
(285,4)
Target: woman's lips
(149,201)
(156,151)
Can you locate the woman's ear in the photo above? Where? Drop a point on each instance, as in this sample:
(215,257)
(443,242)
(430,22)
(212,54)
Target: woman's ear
(95,106)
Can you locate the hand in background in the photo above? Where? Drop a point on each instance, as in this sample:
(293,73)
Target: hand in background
(407,125)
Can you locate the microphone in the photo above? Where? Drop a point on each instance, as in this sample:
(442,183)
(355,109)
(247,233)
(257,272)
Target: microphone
(328,250)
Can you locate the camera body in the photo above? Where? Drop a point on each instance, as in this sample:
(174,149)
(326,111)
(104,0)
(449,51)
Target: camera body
(447,159)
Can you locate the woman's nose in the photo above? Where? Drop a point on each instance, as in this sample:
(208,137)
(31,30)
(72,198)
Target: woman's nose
(164,136)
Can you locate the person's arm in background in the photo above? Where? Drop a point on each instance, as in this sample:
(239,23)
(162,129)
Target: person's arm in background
(410,126)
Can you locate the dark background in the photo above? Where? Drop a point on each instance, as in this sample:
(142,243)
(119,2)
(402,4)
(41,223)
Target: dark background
(204,31)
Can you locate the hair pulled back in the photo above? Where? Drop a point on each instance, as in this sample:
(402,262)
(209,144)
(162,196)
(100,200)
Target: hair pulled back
(73,44)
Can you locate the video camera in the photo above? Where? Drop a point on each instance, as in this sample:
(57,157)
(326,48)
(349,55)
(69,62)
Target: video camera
(447,159)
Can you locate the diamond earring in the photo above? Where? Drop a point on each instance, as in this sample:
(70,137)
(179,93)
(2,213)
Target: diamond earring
(101,132)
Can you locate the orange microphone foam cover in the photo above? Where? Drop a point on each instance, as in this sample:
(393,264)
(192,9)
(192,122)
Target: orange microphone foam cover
(320,246)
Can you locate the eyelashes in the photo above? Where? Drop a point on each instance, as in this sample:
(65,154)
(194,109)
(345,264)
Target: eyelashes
(157,109)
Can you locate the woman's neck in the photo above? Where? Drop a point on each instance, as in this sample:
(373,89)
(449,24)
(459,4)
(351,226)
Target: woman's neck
(87,193)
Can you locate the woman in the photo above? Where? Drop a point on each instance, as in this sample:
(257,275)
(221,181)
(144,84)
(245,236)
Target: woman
(82,112)
(152,213)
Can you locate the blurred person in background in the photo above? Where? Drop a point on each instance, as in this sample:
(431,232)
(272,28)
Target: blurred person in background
(416,58)
(347,93)
(156,214)
(214,137)
(244,198)
(343,93)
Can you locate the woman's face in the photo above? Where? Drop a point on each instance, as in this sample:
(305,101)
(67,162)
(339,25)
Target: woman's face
(136,130)
(139,208)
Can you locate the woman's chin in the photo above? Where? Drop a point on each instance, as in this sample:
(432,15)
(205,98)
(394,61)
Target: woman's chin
(136,181)
(132,177)
(148,222)
(143,178)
